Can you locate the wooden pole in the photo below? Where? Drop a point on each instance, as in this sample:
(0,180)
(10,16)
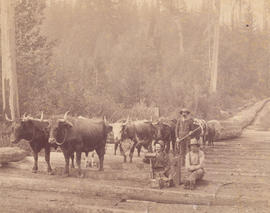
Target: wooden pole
(9,75)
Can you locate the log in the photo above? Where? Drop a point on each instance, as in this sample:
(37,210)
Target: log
(233,127)
(93,188)
(11,154)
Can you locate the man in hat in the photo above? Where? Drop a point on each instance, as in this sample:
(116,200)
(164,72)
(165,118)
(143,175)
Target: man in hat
(163,164)
(183,129)
(194,165)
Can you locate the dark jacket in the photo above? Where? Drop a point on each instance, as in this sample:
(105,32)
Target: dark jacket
(161,161)
(183,127)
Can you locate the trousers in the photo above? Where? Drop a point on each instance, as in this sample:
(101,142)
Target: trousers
(194,176)
(183,149)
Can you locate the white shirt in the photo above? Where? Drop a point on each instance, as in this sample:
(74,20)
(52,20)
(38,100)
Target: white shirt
(194,160)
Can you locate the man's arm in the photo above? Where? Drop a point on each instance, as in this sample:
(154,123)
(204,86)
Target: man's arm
(187,163)
(190,126)
(177,128)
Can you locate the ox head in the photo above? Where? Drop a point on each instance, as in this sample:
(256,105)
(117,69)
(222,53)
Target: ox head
(58,129)
(158,130)
(118,130)
(161,130)
(23,128)
(108,126)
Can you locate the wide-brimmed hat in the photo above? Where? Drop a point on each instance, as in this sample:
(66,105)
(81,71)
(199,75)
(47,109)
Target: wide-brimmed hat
(161,143)
(184,110)
(194,141)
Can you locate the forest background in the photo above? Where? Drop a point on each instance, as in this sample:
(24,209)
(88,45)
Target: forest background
(125,57)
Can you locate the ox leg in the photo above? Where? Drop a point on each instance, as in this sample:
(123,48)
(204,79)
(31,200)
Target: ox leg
(208,139)
(139,150)
(86,160)
(204,139)
(72,160)
(78,161)
(35,167)
(211,141)
(123,153)
(47,159)
(115,147)
(101,152)
(67,156)
(173,145)
(131,153)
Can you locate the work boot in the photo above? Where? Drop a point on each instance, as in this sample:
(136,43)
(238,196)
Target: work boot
(186,184)
(171,183)
(192,184)
(161,184)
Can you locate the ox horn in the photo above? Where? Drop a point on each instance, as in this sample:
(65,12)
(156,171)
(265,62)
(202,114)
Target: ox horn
(41,116)
(24,115)
(7,118)
(127,120)
(104,118)
(65,116)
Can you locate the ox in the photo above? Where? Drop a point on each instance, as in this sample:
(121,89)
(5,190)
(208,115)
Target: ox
(117,136)
(211,133)
(165,131)
(206,131)
(203,129)
(34,131)
(140,132)
(79,135)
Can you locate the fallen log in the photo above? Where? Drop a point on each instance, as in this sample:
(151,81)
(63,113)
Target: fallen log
(11,154)
(92,188)
(233,127)
(247,116)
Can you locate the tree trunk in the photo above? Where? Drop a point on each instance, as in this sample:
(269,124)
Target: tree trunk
(234,2)
(240,11)
(9,76)
(178,25)
(265,16)
(214,67)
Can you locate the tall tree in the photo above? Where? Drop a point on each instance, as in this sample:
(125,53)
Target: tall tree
(9,75)
(214,65)
(33,56)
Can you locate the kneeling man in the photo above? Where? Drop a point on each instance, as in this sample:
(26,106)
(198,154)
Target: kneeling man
(163,164)
(194,164)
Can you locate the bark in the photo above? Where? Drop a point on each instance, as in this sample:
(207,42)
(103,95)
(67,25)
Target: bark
(11,154)
(9,76)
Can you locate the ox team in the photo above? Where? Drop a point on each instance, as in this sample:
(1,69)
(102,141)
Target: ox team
(83,135)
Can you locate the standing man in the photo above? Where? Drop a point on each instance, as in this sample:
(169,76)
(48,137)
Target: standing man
(183,128)
(194,165)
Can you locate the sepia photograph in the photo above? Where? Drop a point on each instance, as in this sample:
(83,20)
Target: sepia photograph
(135,106)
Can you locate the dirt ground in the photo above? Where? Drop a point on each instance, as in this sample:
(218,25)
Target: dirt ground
(237,179)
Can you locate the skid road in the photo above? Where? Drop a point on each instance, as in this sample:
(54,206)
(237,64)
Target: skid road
(237,180)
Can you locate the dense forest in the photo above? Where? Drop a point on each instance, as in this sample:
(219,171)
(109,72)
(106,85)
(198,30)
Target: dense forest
(120,58)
